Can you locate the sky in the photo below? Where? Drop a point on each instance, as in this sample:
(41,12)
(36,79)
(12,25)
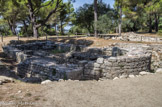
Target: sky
(79,3)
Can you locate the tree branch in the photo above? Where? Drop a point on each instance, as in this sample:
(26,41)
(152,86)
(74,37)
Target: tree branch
(42,7)
(50,14)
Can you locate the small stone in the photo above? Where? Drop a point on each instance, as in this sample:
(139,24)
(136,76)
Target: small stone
(116,78)
(46,82)
(131,76)
(60,80)
(144,73)
(138,75)
(159,70)
(19,91)
(69,80)
(101,79)
(1,83)
(4,79)
(100,60)
(123,76)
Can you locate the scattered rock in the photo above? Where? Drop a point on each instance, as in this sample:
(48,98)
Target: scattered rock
(123,76)
(138,75)
(159,70)
(4,79)
(69,80)
(19,92)
(144,73)
(46,82)
(60,80)
(101,79)
(131,76)
(1,83)
(116,78)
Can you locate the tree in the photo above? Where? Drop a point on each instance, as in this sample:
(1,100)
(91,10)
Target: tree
(143,14)
(4,28)
(66,15)
(95,18)
(35,6)
(9,12)
(160,25)
(85,16)
(154,9)
(107,22)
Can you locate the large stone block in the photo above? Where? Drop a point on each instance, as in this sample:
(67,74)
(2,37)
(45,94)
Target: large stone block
(100,60)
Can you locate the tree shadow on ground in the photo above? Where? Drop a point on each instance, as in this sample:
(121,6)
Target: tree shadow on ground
(7,66)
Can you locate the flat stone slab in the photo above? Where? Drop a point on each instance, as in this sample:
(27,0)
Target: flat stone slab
(4,79)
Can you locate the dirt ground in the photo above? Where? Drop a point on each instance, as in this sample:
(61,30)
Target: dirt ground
(142,91)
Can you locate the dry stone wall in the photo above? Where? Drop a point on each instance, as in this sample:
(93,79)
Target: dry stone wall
(118,60)
(48,69)
(112,67)
(136,37)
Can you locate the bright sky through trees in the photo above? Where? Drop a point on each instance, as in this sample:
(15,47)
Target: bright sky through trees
(79,3)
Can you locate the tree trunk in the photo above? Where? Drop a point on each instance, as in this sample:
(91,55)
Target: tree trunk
(156,23)
(33,19)
(35,31)
(95,18)
(33,13)
(25,26)
(62,30)
(150,25)
(55,29)
(1,37)
(12,28)
(120,21)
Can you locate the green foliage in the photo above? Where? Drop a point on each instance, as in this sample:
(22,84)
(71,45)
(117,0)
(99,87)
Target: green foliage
(77,29)
(106,23)
(85,17)
(4,28)
(139,15)
(160,26)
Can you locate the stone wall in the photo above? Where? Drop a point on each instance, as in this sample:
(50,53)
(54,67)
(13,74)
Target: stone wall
(112,67)
(48,69)
(136,37)
(15,53)
(118,60)
(154,49)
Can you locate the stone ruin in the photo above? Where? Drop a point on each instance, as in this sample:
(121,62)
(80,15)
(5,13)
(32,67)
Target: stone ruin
(48,60)
(131,36)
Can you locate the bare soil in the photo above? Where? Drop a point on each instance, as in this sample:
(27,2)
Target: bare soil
(142,91)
